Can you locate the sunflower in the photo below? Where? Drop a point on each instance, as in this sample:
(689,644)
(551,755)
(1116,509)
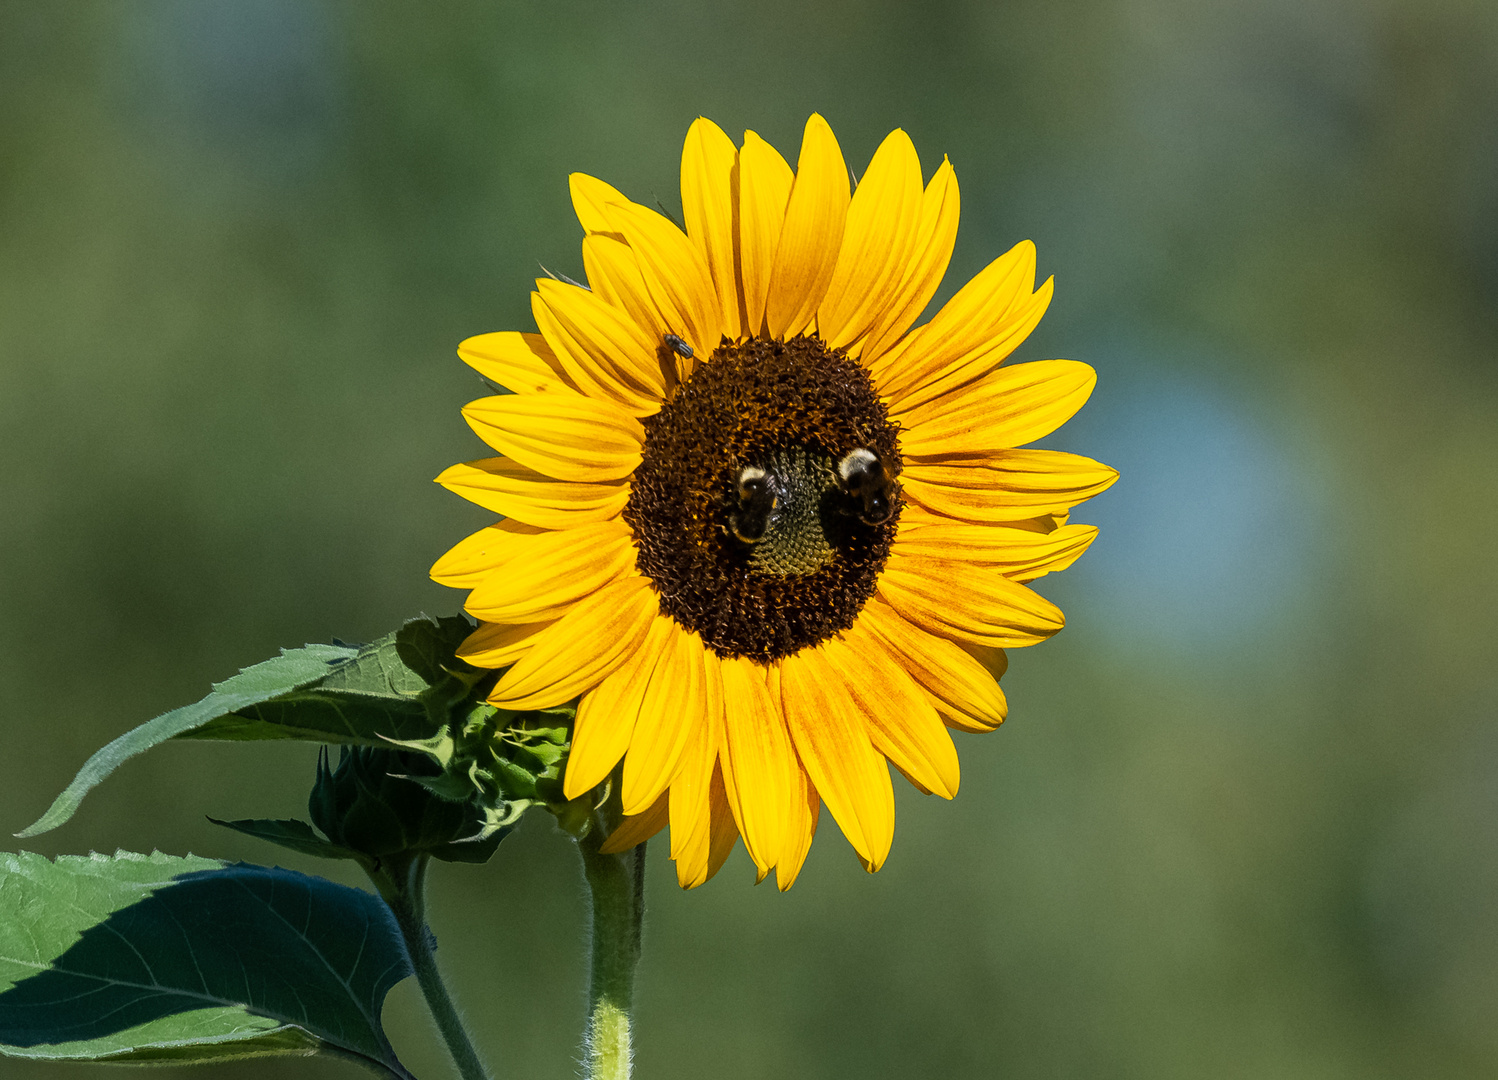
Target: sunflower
(772,538)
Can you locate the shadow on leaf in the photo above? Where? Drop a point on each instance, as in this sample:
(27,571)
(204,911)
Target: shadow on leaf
(284,962)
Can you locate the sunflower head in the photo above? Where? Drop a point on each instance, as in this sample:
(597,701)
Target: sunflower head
(770,537)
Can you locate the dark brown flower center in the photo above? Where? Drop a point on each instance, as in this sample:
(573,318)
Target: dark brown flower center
(765,504)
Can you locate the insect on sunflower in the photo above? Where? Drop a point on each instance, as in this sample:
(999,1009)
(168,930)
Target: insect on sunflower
(772,538)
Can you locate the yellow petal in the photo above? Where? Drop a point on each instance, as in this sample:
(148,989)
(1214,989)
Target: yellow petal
(913,514)
(614,273)
(764,188)
(970,603)
(676,274)
(474,558)
(691,842)
(544,575)
(965,327)
(760,759)
(1018,554)
(604,353)
(509,488)
(731,792)
(497,645)
(913,782)
(832,740)
(811,235)
(562,436)
(993,659)
(800,828)
(521,363)
(1012,406)
(589,197)
(964,691)
(709,161)
(598,635)
(940,207)
(953,378)
(724,834)
(635,830)
(607,714)
(670,716)
(691,791)
(1005,485)
(1045,524)
(701,757)
(881,229)
(902,724)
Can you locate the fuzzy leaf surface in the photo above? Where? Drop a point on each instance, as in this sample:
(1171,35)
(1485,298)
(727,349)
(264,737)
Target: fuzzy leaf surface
(292,670)
(368,699)
(138,959)
(364,695)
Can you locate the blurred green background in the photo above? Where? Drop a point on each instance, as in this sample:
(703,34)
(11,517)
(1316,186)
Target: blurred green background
(1244,819)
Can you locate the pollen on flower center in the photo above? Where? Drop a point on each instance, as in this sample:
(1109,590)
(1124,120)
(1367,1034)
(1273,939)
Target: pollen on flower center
(799,510)
(740,517)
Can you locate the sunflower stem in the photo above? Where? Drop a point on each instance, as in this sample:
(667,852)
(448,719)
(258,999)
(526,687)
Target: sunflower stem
(402,885)
(616,887)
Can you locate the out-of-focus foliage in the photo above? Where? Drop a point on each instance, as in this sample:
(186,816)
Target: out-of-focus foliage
(1243,821)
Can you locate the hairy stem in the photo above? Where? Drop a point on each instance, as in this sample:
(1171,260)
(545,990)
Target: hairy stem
(616,885)
(404,890)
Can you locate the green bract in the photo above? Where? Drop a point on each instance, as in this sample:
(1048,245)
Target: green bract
(374,804)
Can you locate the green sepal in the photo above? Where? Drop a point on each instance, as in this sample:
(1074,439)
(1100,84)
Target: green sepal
(446,786)
(479,847)
(500,758)
(289,833)
(141,959)
(517,781)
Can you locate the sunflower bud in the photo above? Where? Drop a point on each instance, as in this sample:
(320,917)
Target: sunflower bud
(375,803)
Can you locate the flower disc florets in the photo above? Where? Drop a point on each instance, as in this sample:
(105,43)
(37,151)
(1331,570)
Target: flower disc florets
(791,410)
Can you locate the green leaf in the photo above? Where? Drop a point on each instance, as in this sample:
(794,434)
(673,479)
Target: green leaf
(373,697)
(293,669)
(364,695)
(289,833)
(429,647)
(156,958)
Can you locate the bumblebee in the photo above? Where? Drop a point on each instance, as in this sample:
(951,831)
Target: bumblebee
(871,492)
(760,495)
